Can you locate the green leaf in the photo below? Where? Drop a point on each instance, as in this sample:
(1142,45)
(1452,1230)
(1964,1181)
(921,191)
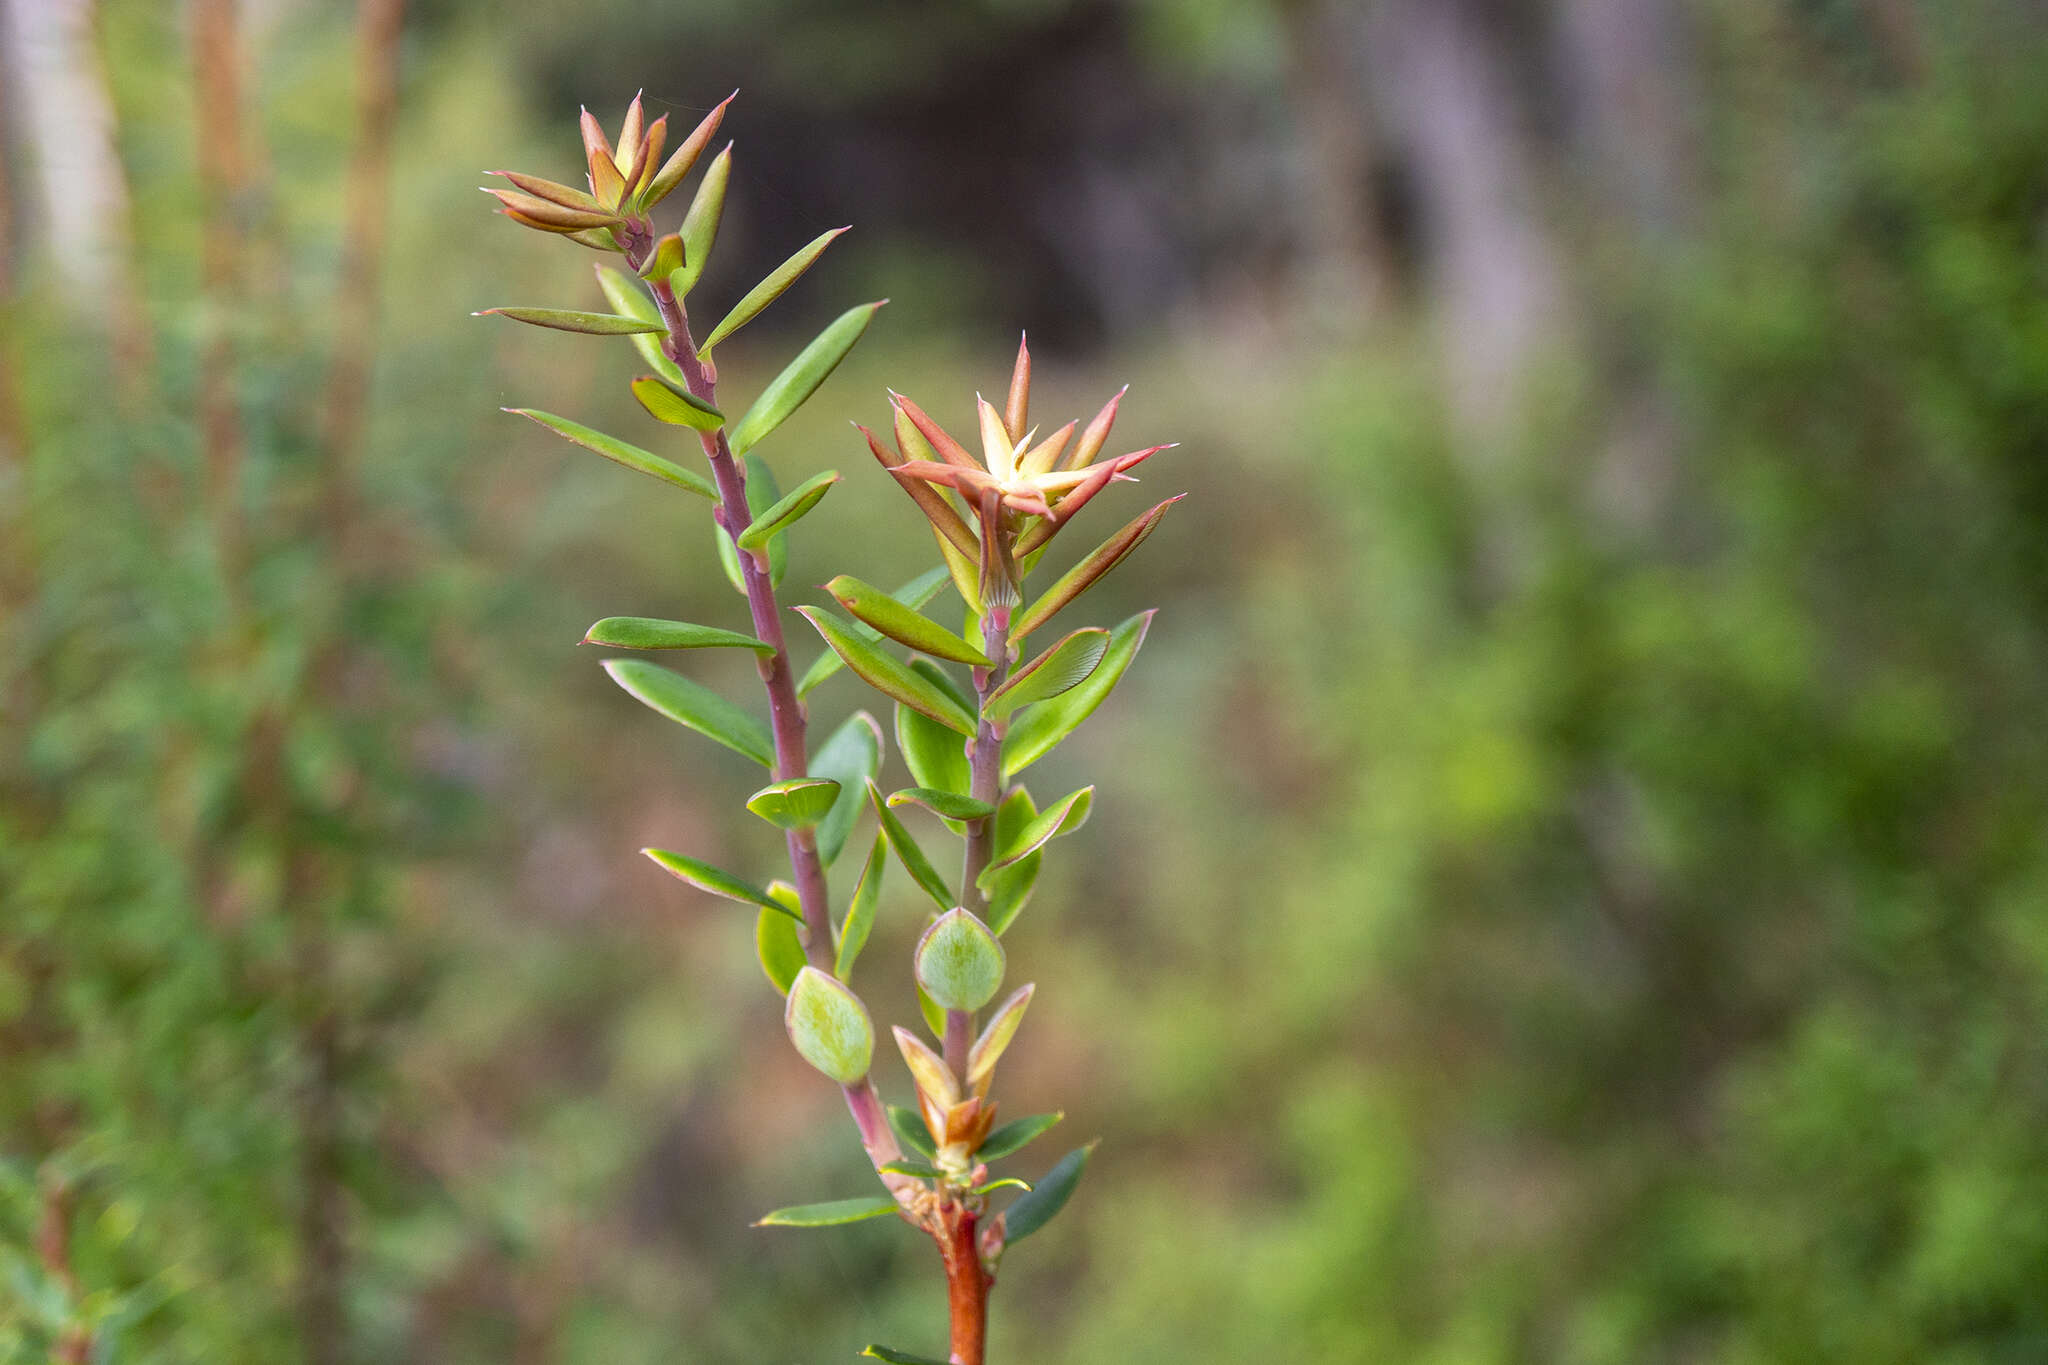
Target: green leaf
(1008,1182)
(627,295)
(648,632)
(888,674)
(882,612)
(1083,576)
(1066,665)
(768,290)
(716,880)
(934,754)
(787,511)
(850,756)
(830,1214)
(665,259)
(829,1026)
(763,492)
(622,452)
(780,950)
(1011,886)
(801,378)
(915,593)
(948,804)
(988,1049)
(1014,1134)
(1009,890)
(1034,1210)
(896,1357)
(860,911)
(910,1130)
(700,224)
(695,705)
(568,320)
(1064,816)
(923,1170)
(959,962)
(667,401)
(934,1017)
(909,854)
(799,803)
(1039,729)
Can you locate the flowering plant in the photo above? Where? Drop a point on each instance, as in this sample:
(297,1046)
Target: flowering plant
(964,741)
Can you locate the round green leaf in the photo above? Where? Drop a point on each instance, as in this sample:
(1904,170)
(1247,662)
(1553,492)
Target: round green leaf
(959,961)
(829,1026)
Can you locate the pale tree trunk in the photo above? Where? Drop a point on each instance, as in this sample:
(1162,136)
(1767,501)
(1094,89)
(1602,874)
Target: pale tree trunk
(81,215)
(1441,72)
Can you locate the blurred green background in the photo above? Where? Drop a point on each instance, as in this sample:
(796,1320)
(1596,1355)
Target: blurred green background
(1570,872)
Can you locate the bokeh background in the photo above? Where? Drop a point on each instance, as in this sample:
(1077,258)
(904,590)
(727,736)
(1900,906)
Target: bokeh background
(1570,872)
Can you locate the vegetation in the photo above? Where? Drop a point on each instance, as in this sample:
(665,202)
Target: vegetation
(1567,880)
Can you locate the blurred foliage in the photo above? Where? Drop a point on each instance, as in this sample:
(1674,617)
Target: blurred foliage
(1581,899)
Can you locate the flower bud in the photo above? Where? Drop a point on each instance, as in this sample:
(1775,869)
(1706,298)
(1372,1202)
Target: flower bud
(829,1026)
(959,962)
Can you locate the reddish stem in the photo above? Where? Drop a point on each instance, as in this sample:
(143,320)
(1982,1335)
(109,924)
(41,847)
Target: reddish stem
(967,1285)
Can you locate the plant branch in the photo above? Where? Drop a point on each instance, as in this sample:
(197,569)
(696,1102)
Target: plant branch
(785,708)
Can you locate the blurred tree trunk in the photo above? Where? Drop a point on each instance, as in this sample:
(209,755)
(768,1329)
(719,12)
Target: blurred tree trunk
(1348,268)
(1445,87)
(216,76)
(1631,93)
(82,214)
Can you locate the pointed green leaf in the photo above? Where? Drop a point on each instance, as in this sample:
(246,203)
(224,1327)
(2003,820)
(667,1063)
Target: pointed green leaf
(695,705)
(788,510)
(780,950)
(801,378)
(850,756)
(622,452)
(1008,1182)
(1083,576)
(1034,1210)
(829,1026)
(1002,1027)
(909,854)
(915,593)
(798,803)
(1038,729)
(959,962)
(1009,889)
(831,1213)
(700,224)
(669,402)
(628,296)
(896,1357)
(910,1130)
(568,320)
(768,290)
(884,613)
(1014,1134)
(965,571)
(888,674)
(648,632)
(922,1170)
(763,492)
(860,911)
(1062,817)
(1066,665)
(716,880)
(951,805)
